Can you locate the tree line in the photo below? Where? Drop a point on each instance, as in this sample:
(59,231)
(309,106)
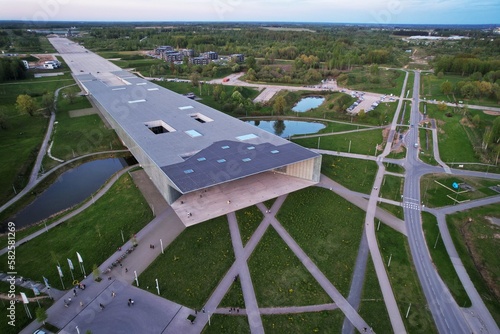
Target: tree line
(11,69)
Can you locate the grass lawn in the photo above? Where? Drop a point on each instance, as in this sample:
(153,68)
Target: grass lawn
(221,323)
(279,278)
(436,195)
(372,308)
(19,143)
(442,260)
(396,210)
(409,84)
(248,221)
(94,233)
(387,82)
(234,297)
(193,264)
(355,174)
(477,244)
(319,322)
(81,135)
(404,281)
(459,138)
(363,142)
(328,228)
(19,146)
(394,168)
(426,152)
(140,65)
(22,319)
(392,187)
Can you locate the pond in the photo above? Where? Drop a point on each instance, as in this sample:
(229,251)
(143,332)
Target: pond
(308,103)
(70,188)
(286,129)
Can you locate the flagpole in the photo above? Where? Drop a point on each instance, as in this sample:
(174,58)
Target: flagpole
(61,276)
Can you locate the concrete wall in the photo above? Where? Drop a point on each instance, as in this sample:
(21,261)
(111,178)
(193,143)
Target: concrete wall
(308,170)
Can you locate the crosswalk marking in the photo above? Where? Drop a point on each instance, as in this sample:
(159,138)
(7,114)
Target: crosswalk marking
(412,206)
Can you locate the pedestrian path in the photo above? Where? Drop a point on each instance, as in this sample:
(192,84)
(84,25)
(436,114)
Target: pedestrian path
(280,310)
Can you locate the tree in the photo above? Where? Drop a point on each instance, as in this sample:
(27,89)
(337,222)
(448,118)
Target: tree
(71,96)
(195,78)
(41,314)
(279,105)
(25,104)
(237,97)
(362,114)
(495,131)
(442,106)
(48,101)
(476,120)
(96,272)
(251,63)
(279,127)
(446,87)
(4,122)
(469,90)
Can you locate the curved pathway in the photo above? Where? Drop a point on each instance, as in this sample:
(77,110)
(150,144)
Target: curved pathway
(41,153)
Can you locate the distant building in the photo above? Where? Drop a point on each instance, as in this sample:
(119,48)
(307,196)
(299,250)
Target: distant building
(210,55)
(199,61)
(238,58)
(188,52)
(162,49)
(172,56)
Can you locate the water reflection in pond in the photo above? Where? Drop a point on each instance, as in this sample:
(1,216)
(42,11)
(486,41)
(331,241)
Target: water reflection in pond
(287,128)
(308,103)
(70,188)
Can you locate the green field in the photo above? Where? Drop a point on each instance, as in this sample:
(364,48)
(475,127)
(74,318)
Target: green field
(94,233)
(248,221)
(228,324)
(386,82)
(196,261)
(392,187)
(404,281)
(354,174)
(436,195)
(426,147)
(80,135)
(328,228)
(372,308)
(19,143)
(476,240)
(442,260)
(279,278)
(361,142)
(319,322)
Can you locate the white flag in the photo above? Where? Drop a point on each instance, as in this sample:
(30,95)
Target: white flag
(46,281)
(60,271)
(70,264)
(25,299)
(35,290)
(79,257)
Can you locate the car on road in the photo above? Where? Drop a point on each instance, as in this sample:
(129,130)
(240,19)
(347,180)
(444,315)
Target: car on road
(415,145)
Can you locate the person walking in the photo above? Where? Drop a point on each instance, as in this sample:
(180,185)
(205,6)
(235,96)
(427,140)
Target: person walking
(74,292)
(101,306)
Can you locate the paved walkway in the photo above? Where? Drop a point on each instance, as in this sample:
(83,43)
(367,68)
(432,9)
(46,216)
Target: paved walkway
(357,282)
(165,227)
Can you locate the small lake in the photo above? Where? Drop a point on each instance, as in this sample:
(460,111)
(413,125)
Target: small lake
(70,188)
(308,103)
(284,128)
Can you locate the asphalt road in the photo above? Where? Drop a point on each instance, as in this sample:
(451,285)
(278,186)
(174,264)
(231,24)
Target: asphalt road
(446,313)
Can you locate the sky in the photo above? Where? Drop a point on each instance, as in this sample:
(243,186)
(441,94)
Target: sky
(332,11)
